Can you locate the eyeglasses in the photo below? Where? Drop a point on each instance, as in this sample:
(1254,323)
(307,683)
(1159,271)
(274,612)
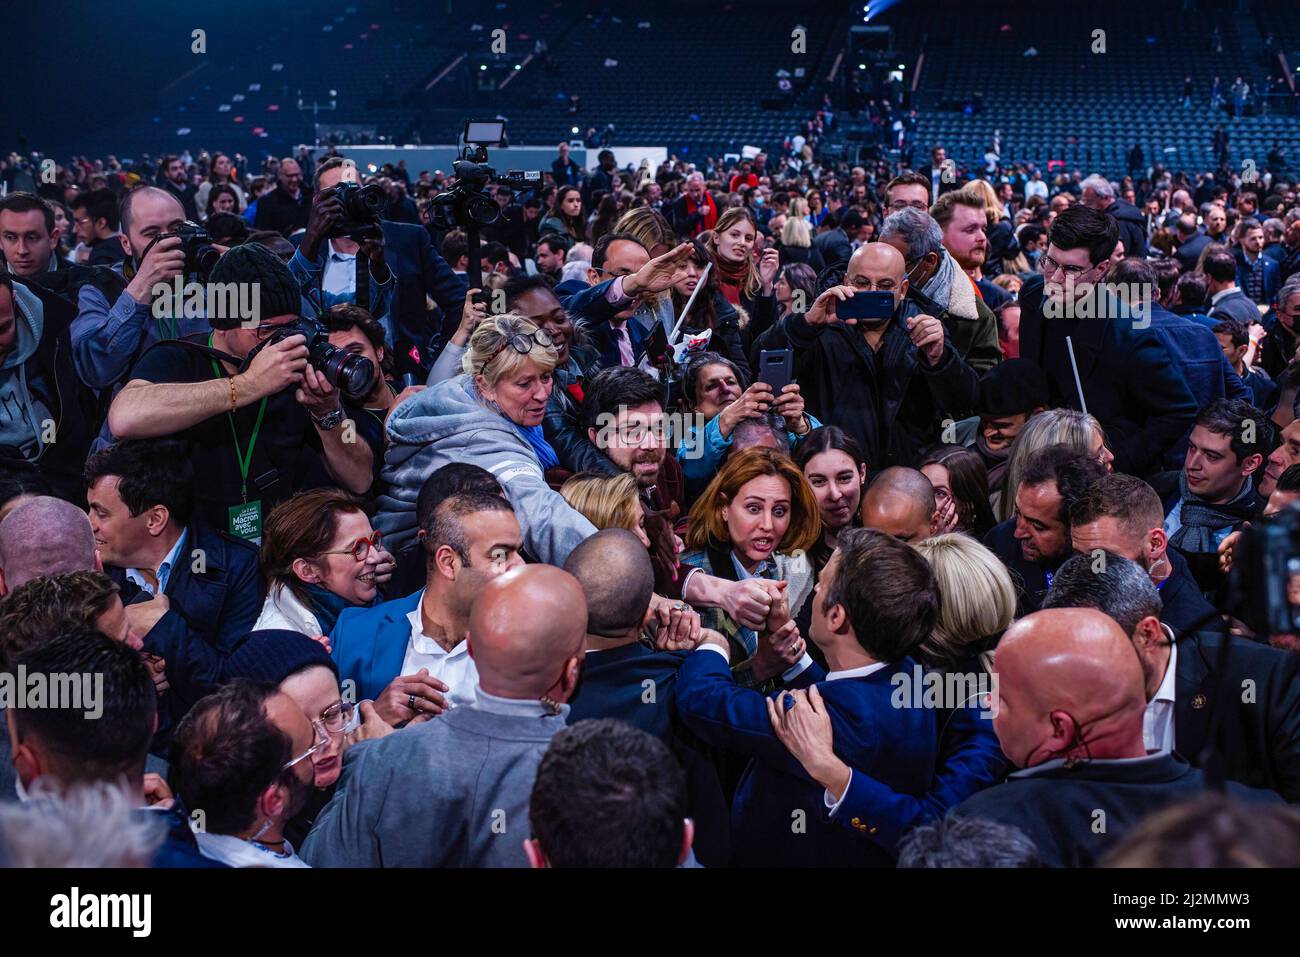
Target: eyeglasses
(360,548)
(321,739)
(866,285)
(898,204)
(338,717)
(1049,266)
(522,343)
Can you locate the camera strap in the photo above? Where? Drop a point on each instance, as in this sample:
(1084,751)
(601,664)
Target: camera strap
(245,458)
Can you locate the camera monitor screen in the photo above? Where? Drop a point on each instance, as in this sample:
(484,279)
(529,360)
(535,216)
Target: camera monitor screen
(485,132)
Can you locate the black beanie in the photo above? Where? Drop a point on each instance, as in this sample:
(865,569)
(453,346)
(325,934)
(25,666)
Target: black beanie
(1012,387)
(273,287)
(271,655)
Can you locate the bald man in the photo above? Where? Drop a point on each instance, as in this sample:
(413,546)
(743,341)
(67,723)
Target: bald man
(1071,700)
(877,367)
(452,791)
(45,536)
(624,679)
(900,502)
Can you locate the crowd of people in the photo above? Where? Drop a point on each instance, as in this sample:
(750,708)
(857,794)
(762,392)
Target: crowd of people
(776,512)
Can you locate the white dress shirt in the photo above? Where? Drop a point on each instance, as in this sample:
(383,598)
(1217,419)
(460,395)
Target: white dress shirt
(1158,719)
(455,668)
(237,852)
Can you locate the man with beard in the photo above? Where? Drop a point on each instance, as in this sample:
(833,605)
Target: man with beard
(243,757)
(1122,514)
(623,415)
(933,272)
(176,181)
(1034,541)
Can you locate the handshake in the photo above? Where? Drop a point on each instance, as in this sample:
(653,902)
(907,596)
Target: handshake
(757,603)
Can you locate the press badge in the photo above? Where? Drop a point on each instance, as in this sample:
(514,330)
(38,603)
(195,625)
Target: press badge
(246,521)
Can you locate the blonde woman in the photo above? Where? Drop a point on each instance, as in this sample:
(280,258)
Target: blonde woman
(977,601)
(1078,430)
(610,502)
(491,416)
(796,244)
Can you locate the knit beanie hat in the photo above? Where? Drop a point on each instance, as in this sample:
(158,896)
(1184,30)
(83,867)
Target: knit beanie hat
(273,289)
(271,655)
(1012,387)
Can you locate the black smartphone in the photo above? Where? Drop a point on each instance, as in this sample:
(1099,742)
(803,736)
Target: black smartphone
(866,305)
(776,368)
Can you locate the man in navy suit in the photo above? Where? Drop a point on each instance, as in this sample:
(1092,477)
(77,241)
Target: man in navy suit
(409,270)
(625,679)
(622,275)
(1193,347)
(1129,379)
(1259,276)
(1188,678)
(1071,709)
(876,600)
(193,592)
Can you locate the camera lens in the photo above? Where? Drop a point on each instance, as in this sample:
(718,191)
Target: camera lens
(354,374)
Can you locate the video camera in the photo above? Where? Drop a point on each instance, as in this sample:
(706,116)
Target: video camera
(362,206)
(353,374)
(467,199)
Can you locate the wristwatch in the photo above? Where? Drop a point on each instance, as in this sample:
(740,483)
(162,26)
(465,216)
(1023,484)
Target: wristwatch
(329,421)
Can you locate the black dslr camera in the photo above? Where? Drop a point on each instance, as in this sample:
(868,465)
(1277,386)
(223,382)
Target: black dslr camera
(200,252)
(361,208)
(353,374)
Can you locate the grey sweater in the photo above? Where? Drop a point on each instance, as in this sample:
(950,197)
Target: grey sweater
(451,792)
(445,424)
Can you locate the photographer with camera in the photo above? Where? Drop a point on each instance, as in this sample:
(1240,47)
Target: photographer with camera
(401,254)
(326,264)
(114,325)
(261,407)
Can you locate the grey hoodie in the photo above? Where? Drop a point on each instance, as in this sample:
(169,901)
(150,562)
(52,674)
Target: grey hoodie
(22,413)
(445,424)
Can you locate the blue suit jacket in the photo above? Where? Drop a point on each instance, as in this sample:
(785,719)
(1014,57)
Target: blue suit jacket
(369,644)
(593,309)
(420,270)
(1272,275)
(1196,353)
(971,759)
(778,814)
(211,615)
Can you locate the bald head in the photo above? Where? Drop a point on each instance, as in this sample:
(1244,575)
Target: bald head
(1069,683)
(524,626)
(149,205)
(899,502)
(44,536)
(877,261)
(614,571)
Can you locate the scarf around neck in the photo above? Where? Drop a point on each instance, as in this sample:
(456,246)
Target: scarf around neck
(1200,519)
(327,606)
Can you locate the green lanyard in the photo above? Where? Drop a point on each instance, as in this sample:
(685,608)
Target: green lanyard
(245,459)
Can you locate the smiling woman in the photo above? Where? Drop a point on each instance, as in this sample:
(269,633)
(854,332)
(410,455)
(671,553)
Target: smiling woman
(319,555)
